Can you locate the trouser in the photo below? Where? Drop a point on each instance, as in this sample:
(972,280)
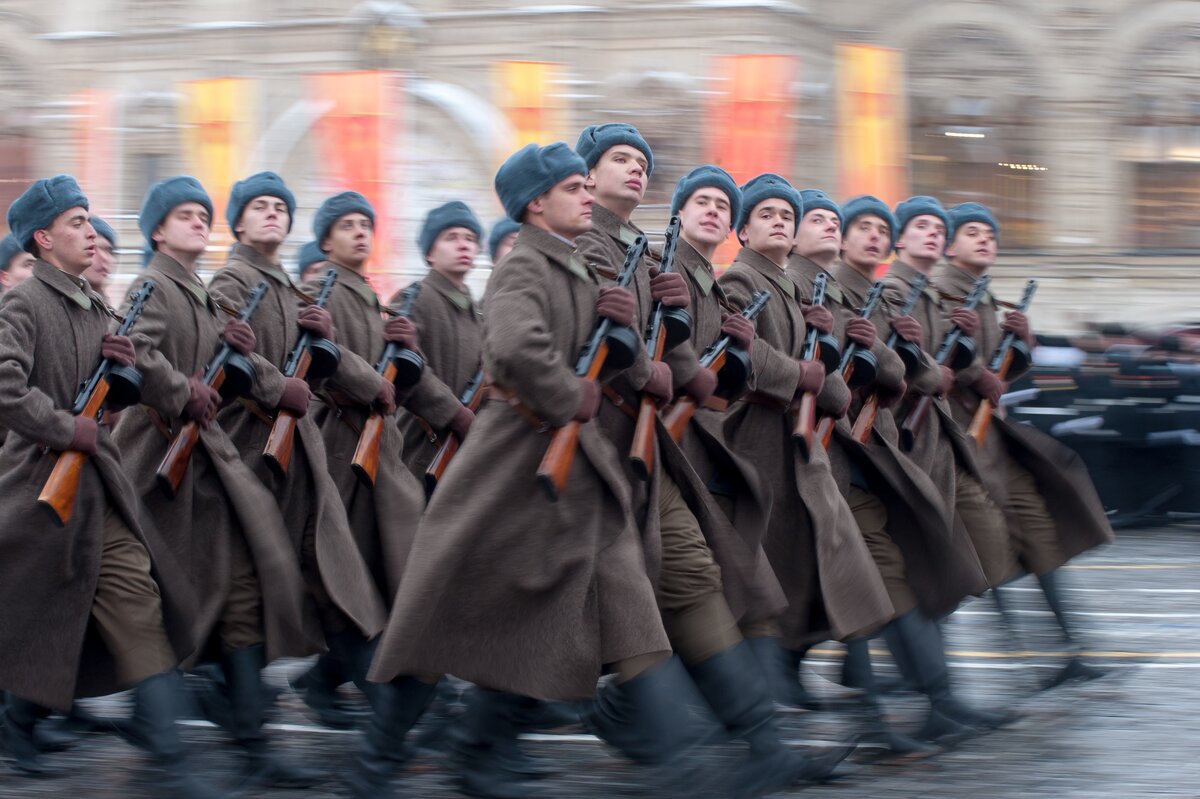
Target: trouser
(127,607)
(240,624)
(871,516)
(1035,538)
(986,526)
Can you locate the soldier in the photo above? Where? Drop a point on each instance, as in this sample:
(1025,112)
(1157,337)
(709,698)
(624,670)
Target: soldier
(16,265)
(1051,505)
(501,239)
(106,258)
(345,605)
(451,334)
(308,262)
(943,453)
(110,608)
(534,602)
(221,522)
(833,588)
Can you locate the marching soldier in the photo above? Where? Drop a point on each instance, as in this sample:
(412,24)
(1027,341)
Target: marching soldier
(451,333)
(502,239)
(16,265)
(308,262)
(106,256)
(110,608)
(1052,508)
(221,521)
(346,607)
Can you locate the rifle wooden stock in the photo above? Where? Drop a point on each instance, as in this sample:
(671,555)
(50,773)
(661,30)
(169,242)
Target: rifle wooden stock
(982,420)
(676,417)
(175,463)
(641,450)
(366,454)
(914,421)
(62,486)
(556,463)
(472,398)
(282,440)
(865,421)
(806,418)
(827,423)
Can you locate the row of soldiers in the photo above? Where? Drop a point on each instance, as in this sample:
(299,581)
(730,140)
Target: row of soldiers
(638,491)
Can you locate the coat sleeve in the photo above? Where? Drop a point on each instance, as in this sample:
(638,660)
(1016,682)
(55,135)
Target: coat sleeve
(431,398)
(519,349)
(229,289)
(593,252)
(165,389)
(27,411)
(354,376)
(773,373)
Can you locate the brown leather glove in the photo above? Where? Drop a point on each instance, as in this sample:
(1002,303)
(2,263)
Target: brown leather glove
(701,386)
(989,386)
(967,321)
(947,383)
(617,304)
(908,329)
(295,397)
(461,423)
(85,435)
(740,329)
(812,377)
(239,335)
(890,398)
(316,320)
(669,288)
(660,383)
(818,316)
(385,397)
(118,349)
(861,332)
(589,401)
(1017,323)
(202,403)
(402,331)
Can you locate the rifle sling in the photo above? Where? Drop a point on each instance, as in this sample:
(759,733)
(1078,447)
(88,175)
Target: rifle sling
(497,393)
(618,402)
(159,423)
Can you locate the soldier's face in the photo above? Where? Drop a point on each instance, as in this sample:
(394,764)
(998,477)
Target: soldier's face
(704,218)
(311,272)
(865,243)
(974,246)
(350,239)
(20,269)
(770,228)
(102,265)
(265,221)
(184,230)
(70,241)
(619,177)
(567,208)
(453,252)
(923,239)
(505,246)
(820,235)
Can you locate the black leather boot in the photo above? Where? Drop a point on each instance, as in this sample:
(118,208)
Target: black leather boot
(155,707)
(318,688)
(243,674)
(486,750)
(383,749)
(877,733)
(1075,669)
(20,718)
(731,687)
(782,668)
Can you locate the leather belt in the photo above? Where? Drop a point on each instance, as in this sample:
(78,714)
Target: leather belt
(257,411)
(715,403)
(618,402)
(497,393)
(336,400)
(159,423)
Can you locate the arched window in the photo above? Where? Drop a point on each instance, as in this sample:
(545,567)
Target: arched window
(974,109)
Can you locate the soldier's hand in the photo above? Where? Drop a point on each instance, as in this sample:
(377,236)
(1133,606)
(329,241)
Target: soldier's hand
(947,381)
(701,386)
(660,383)
(239,335)
(203,402)
(616,304)
(669,288)
(295,397)
(812,377)
(861,332)
(84,438)
(1017,323)
(967,321)
(740,329)
(818,316)
(385,397)
(589,400)
(316,321)
(462,421)
(989,386)
(118,349)
(402,331)
(908,329)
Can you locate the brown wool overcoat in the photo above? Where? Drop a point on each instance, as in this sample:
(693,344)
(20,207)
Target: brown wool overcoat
(50,332)
(219,497)
(450,331)
(384,517)
(813,543)
(1061,475)
(307,495)
(505,588)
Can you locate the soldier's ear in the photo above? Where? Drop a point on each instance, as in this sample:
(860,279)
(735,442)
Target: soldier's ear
(536,205)
(589,182)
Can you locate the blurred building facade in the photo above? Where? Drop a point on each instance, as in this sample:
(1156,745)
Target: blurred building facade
(1078,121)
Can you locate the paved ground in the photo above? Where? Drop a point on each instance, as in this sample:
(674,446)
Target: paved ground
(1133,734)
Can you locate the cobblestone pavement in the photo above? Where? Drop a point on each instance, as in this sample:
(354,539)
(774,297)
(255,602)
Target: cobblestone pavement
(1135,733)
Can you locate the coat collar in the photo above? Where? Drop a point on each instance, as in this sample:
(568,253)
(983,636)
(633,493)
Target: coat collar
(556,250)
(906,273)
(172,269)
(957,281)
(356,282)
(854,284)
(804,271)
(249,255)
(609,223)
(768,269)
(697,266)
(439,282)
(73,288)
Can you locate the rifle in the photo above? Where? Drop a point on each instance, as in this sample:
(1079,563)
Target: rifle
(858,366)
(610,344)
(730,363)
(400,366)
(229,372)
(814,342)
(1011,354)
(659,336)
(909,353)
(471,398)
(111,385)
(312,359)
(957,351)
